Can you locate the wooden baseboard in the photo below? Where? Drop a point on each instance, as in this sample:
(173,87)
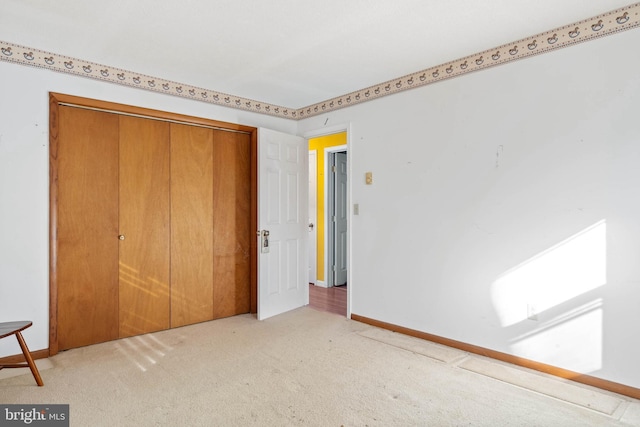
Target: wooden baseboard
(504,357)
(19,358)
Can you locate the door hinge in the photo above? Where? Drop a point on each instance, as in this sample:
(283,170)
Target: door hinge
(333,169)
(333,218)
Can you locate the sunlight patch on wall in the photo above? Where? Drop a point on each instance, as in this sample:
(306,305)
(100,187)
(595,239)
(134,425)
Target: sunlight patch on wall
(571,341)
(557,275)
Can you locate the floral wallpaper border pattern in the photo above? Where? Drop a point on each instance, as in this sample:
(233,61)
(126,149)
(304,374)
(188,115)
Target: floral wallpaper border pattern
(606,24)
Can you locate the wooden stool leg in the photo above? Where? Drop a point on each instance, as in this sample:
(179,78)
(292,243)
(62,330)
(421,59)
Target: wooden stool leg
(29,359)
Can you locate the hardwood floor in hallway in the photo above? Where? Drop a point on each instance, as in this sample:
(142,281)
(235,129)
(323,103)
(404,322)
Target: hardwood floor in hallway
(333,300)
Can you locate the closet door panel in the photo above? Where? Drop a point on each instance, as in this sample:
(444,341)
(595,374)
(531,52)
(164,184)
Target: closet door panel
(232,233)
(87,227)
(191,224)
(144,226)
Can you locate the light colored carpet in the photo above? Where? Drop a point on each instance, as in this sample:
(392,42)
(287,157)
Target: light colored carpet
(308,368)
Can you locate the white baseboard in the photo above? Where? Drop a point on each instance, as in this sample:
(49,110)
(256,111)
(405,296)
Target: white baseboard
(321,283)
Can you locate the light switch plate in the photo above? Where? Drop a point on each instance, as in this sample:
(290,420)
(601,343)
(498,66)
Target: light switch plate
(368,177)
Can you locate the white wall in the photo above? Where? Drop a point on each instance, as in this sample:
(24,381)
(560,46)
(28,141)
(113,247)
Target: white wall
(478,183)
(504,194)
(24,180)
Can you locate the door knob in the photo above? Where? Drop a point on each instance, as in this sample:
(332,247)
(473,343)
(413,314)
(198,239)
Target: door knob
(121,237)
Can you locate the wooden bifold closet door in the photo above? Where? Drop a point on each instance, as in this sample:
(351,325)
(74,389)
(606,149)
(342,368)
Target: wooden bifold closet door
(232,226)
(86,258)
(191,224)
(144,228)
(152,225)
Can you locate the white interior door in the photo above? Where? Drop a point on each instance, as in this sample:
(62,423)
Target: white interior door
(283,173)
(340,238)
(313,216)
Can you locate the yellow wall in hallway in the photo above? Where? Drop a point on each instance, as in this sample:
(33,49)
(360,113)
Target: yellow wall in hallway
(320,144)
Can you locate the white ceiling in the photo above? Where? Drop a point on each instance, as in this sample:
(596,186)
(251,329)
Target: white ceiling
(292,53)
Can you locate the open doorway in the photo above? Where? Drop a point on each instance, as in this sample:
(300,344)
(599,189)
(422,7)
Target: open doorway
(328,156)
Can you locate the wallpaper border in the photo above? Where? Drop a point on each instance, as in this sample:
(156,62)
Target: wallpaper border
(42,59)
(589,29)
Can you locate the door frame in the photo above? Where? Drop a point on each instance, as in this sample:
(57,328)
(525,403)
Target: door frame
(57,99)
(330,130)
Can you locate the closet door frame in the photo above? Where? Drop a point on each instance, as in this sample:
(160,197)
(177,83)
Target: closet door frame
(57,99)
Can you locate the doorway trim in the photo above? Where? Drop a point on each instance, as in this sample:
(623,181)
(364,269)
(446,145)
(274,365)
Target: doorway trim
(330,130)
